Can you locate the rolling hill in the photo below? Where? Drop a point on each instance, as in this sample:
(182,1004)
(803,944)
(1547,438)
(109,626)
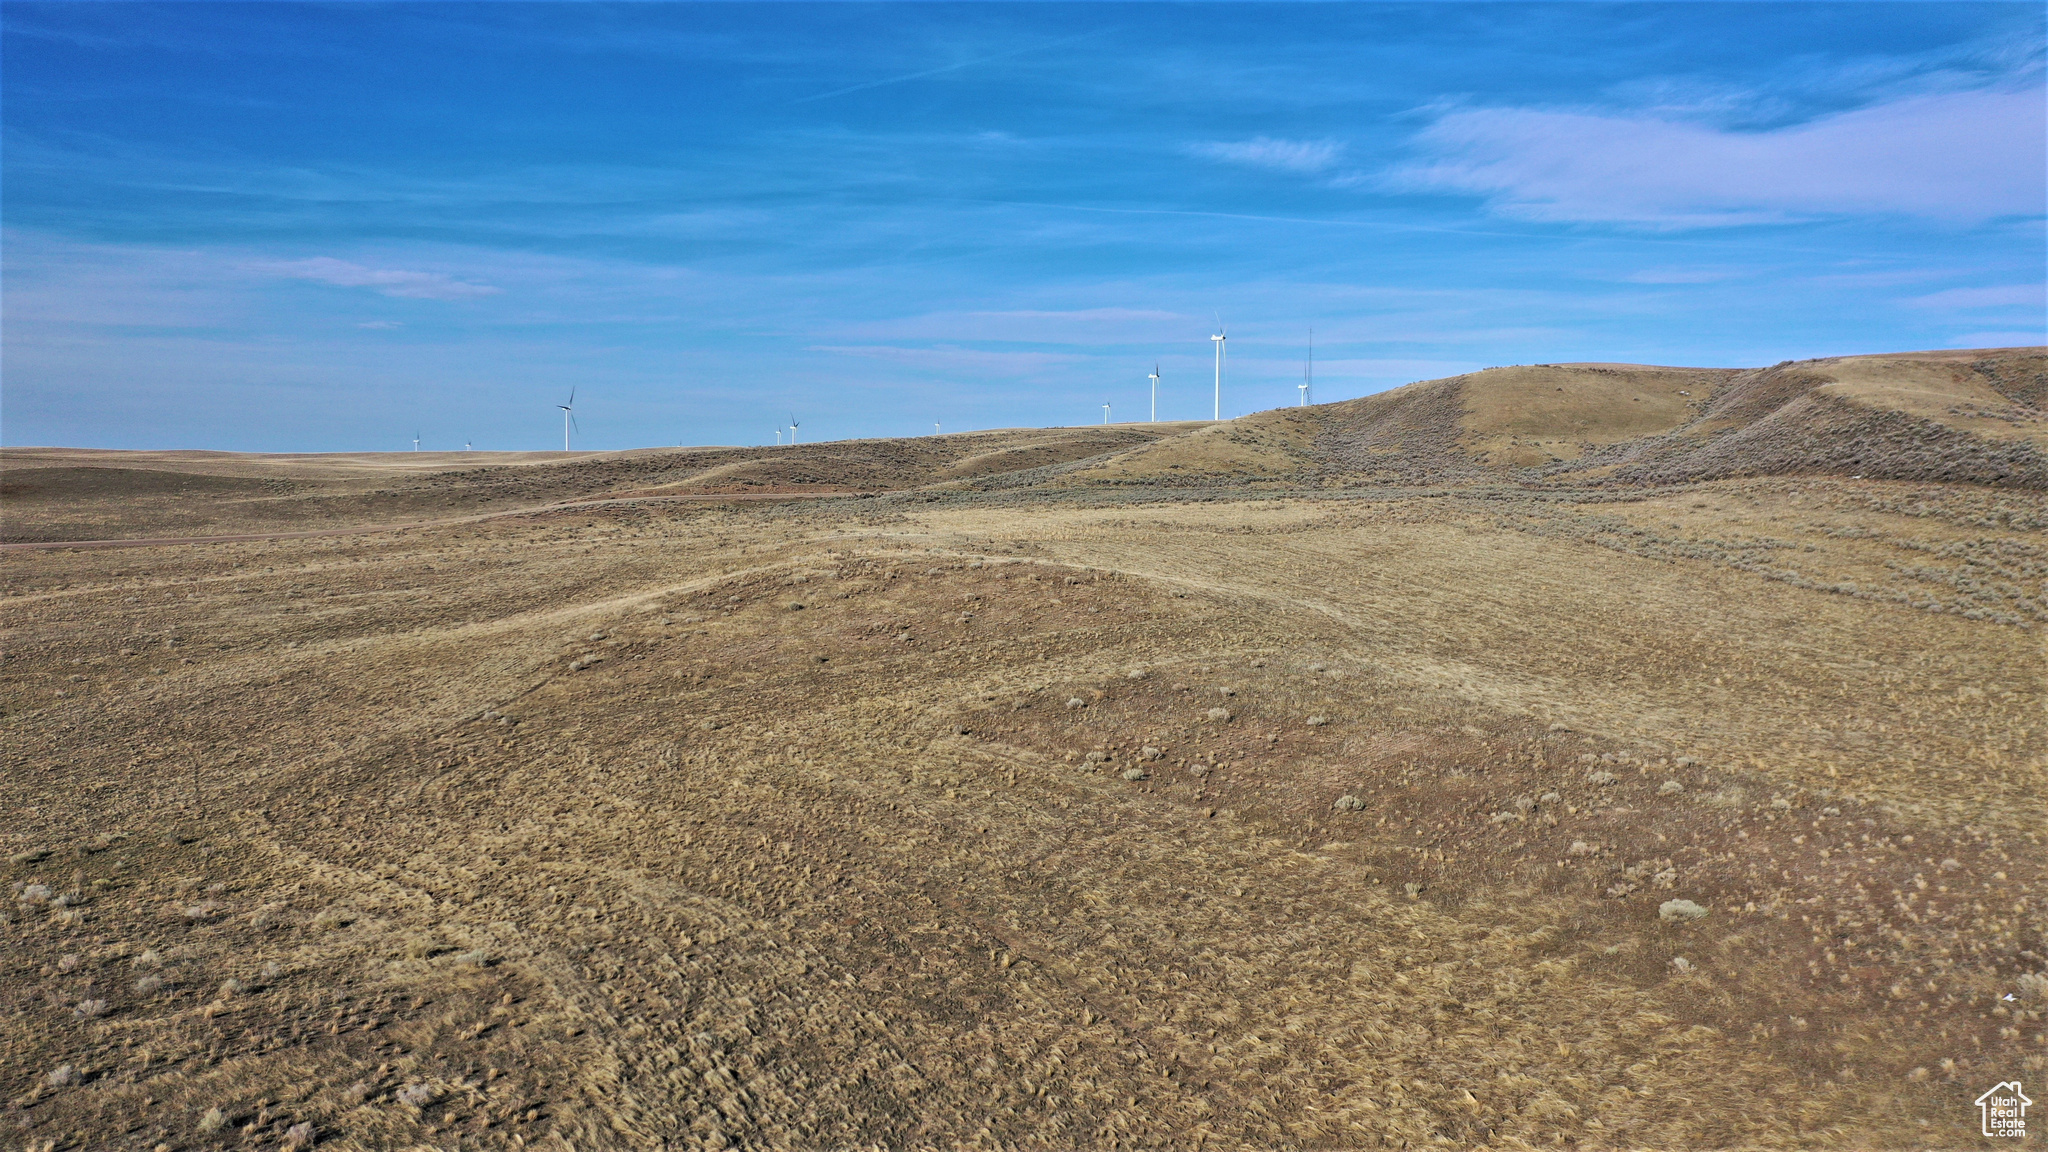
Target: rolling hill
(1972,416)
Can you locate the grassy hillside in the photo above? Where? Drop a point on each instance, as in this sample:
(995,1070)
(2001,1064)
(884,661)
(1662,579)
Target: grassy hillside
(1965,415)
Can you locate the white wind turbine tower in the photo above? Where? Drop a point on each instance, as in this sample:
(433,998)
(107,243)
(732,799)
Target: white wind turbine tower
(415,441)
(935,427)
(568,417)
(1105,413)
(1155,393)
(1219,338)
(792,429)
(778,436)
(1308,372)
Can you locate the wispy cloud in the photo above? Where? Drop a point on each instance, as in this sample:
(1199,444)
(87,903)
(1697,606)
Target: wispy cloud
(1960,157)
(1025,325)
(952,359)
(388,281)
(944,68)
(1996,296)
(1680,275)
(1304,156)
(2015,339)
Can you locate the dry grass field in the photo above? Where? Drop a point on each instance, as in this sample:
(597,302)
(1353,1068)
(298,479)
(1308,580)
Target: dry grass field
(1357,783)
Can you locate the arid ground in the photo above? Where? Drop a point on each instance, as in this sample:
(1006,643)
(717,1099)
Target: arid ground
(1584,756)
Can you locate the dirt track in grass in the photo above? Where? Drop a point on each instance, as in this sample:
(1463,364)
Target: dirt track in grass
(957,819)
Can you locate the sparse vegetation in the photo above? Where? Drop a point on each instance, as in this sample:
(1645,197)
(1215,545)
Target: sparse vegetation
(1547,814)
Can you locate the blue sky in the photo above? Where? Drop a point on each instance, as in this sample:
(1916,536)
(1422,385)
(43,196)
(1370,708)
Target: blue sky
(287,227)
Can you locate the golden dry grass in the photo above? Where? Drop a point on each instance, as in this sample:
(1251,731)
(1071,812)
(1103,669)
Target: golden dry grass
(87,494)
(914,822)
(1971,415)
(1315,780)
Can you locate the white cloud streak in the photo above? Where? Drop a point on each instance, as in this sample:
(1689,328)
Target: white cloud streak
(1304,156)
(388,281)
(949,359)
(1997,296)
(1958,157)
(1075,326)
(2015,339)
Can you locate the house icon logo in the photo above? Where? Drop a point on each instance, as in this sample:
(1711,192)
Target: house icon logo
(2004,1110)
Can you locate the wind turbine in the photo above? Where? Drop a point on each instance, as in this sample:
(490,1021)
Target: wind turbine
(935,427)
(792,429)
(415,441)
(1105,413)
(1308,371)
(468,446)
(778,436)
(1155,393)
(568,417)
(1219,338)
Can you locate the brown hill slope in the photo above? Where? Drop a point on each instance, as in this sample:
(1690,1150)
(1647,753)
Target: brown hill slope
(1971,415)
(86,494)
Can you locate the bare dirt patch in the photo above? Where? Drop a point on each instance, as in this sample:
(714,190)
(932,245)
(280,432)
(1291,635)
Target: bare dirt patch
(1039,821)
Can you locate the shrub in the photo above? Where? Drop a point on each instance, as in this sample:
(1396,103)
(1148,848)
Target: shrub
(62,1076)
(149,985)
(1673,911)
(1670,788)
(93,1009)
(418,1095)
(213,1121)
(1135,774)
(1220,715)
(1348,803)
